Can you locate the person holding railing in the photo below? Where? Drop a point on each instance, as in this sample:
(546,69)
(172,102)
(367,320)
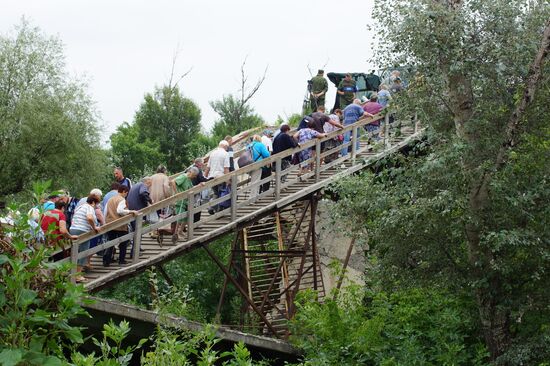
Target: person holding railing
(84,220)
(352,113)
(218,165)
(259,152)
(183,183)
(334,142)
(303,136)
(115,209)
(54,227)
(283,142)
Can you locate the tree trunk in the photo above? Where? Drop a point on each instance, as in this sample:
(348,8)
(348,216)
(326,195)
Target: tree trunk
(495,322)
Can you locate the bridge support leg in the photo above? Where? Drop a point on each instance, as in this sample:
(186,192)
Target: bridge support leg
(226,279)
(243,292)
(161,270)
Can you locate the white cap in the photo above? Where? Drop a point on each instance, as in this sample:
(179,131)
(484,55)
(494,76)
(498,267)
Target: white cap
(96,192)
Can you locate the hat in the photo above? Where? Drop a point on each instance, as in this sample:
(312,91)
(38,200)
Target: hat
(321,71)
(96,192)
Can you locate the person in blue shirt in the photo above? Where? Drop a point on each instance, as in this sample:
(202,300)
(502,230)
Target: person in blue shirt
(352,113)
(259,152)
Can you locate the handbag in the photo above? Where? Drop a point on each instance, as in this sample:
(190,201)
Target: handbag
(153,217)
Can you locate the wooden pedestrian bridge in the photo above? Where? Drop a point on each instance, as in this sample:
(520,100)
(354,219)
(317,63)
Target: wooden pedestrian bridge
(274,251)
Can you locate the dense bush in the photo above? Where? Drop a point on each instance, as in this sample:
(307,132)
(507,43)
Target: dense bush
(406,327)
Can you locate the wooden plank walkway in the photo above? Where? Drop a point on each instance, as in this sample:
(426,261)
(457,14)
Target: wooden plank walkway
(243,210)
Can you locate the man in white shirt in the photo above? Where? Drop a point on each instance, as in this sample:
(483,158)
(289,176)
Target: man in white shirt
(218,165)
(218,161)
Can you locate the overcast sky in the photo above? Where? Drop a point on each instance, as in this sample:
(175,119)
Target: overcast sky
(125,48)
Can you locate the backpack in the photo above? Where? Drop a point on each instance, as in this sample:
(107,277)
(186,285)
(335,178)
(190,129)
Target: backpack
(225,191)
(69,211)
(246,157)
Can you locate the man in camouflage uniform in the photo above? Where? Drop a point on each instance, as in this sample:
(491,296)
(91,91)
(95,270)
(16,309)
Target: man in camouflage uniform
(346,90)
(319,87)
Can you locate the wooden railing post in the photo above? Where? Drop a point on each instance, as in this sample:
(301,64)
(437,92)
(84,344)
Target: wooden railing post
(354,140)
(137,237)
(74,260)
(387,130)
(234,187)
(190,214)
(317,160)
(415,121)
(278,179)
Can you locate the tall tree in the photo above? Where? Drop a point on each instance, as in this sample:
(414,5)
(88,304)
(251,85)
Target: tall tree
(172,121)
(48,124)
(472,213)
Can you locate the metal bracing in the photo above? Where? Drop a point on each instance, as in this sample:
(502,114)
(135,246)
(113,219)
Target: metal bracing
(269,260)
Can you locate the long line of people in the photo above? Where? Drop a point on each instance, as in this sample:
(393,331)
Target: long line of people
(62,217)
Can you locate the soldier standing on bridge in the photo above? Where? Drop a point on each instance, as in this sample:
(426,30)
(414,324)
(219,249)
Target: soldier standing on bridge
(319,87)
(346,89)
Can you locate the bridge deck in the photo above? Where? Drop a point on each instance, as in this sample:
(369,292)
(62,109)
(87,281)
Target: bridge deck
(244,209)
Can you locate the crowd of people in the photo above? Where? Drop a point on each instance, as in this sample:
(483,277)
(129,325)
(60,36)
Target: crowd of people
(62,217)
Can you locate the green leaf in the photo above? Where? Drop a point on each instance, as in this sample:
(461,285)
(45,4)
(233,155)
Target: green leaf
(2,297)
(37,343)
(4,259)
(74,335)
(10,357)
(27,297)
(51,361)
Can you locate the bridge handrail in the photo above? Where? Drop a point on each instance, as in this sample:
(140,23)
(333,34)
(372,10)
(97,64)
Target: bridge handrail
(231,177)
(222,179)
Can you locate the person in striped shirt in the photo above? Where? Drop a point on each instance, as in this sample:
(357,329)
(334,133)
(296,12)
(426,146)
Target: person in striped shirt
(84,220)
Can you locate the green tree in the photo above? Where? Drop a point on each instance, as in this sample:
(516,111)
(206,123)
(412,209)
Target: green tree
(171,121)
(470,214)
(48,124)
(234,117)
(138,158)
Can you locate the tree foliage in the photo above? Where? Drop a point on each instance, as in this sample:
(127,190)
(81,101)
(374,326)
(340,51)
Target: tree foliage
(234,117)
(48,123)
(170,120)
(406,327)
(138,158)
(469,213)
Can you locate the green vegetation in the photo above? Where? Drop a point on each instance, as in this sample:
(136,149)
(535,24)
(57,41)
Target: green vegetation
(197,282)
(166,129)
(470,214)
(458,260)
(405,327)
(48,123)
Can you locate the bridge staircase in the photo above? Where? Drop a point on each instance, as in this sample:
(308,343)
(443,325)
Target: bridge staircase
(274,254)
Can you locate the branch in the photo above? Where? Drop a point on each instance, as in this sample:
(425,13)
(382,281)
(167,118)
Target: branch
(512,127)
(309,70)
(533,78)
(171,83)
(256,87)
(247,95)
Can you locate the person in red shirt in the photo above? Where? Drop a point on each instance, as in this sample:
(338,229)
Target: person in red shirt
(54,226)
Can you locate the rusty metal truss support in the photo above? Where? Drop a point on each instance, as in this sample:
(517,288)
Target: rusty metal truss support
(271,260)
